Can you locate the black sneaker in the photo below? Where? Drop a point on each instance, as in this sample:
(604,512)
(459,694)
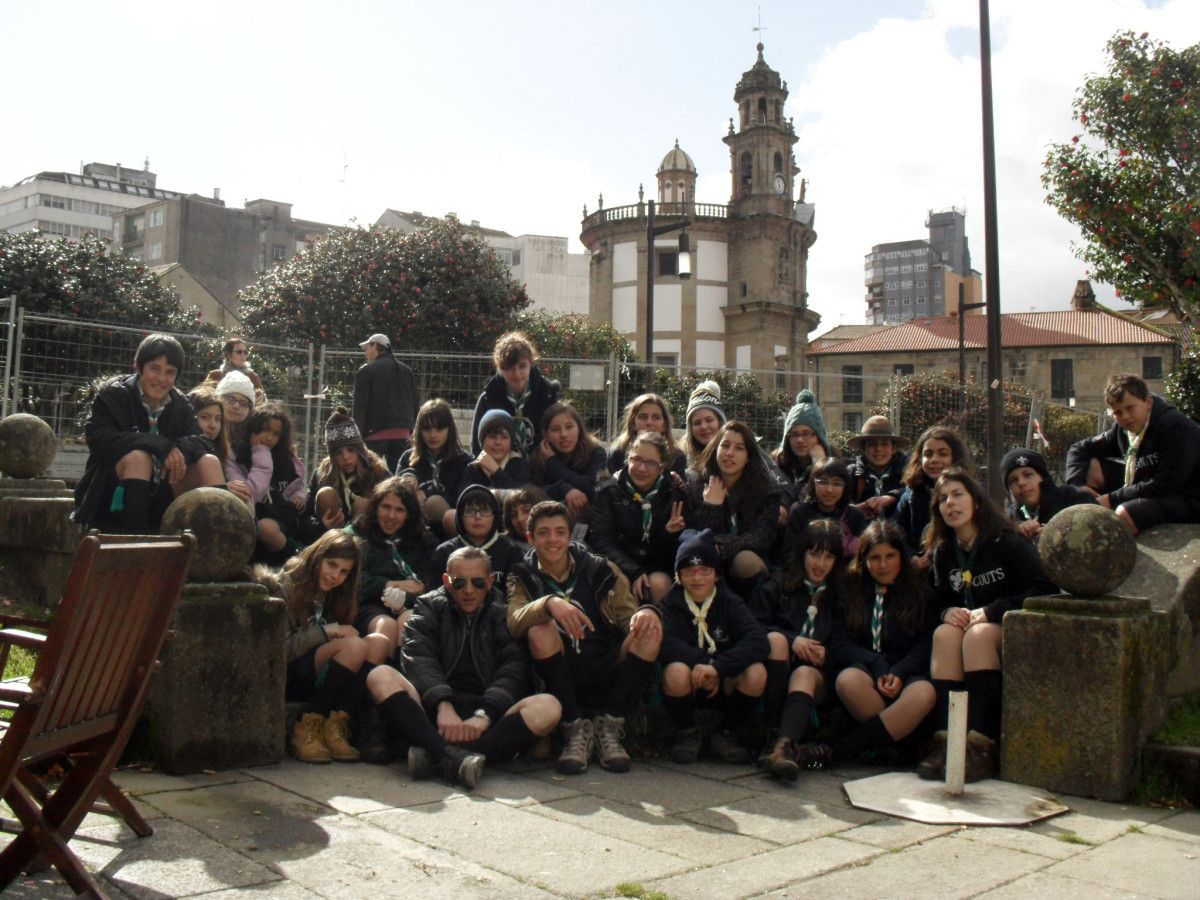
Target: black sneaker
(420,763)
(461,766)
(727,748)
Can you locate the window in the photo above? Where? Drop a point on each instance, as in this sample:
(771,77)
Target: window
(666,361)
(156,218)
(668,263)
(278,253)
(852,421)
(154,251)
(1151,367)
(516,257)
(902,369)
(852,385)
(1062,379)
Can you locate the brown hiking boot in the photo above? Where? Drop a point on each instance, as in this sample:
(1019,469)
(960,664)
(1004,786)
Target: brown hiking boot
(336,735)
(813,756)
(609,732)
(725,746)
(307,743)
(933,766)
(577,750)
(686,748)
(981,757)
(780,762)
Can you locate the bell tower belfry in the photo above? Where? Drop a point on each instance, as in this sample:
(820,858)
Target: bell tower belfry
(760,151)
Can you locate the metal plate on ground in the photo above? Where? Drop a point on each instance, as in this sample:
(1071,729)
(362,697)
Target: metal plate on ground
(989,802)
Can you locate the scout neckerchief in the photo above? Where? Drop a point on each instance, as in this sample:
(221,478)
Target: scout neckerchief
(559,589)
(877,482)
(488,543)
(704,640)
(810,617)
(1028,514)
(153,414)
(1135,441)
(406,571)
(520,423)
(877,617)
(347,492)
(435,467)
(645,500)
(965,561)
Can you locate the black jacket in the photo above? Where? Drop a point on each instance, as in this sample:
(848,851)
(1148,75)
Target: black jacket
(118,424)
(757,524)
(542,393)
(515,474)
(502,552)
(1168,460)
(902,653)
(378,566)
(865,483)
(615,527)
(439,640)
(1004,572)
(558,479)
(449,481)
(779,609)
(803,512)
(913,514)
(741,641)
(385,395)
(1055,498)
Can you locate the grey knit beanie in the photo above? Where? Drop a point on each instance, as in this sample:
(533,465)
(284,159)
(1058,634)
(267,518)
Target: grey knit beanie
(805,412)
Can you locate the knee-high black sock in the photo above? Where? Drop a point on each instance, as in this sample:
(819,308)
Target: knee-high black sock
(941,706)
(737,706)
(778,671)
(984,708)
(870,735)
(135,516)
(337,692)
(554,672)
(632,675)
(407,723)
(797,715)
(505,739)
(682,710)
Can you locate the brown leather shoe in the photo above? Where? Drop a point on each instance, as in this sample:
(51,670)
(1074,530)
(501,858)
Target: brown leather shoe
(336,735)
(813,755)
(780,761)
(981,757)
(933,766)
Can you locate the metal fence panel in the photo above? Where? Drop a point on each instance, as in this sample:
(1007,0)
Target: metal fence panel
(8,317)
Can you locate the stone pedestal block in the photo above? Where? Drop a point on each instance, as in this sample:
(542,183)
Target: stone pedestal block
(38,540)
(217,700)
(1084,685)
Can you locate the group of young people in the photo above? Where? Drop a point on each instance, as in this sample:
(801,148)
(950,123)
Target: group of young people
(479,597)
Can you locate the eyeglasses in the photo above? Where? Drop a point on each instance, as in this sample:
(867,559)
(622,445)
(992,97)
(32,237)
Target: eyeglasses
(237,402)
(458,582)
(478,513)
(830,482)
(644,463)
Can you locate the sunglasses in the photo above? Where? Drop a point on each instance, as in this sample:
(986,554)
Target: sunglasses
(458,582)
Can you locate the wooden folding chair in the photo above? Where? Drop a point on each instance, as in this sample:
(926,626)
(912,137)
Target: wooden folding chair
(85,695)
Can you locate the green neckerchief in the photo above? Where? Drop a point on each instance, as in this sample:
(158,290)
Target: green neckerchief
(521,425)
(965,561)
(699,612)
(1028,513)
(1135,441)
(814,600)
(406,571)
(877,617)
(646,502)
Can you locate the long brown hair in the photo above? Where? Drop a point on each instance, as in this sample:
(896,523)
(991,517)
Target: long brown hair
(435,413)
(412,532)
(630,431)
(579,456)
(368,472)
(905,595)
(755,480)
(987,518)
(202,397)
(301,574)
(914,476)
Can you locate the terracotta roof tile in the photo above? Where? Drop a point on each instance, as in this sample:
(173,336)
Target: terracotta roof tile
(1060,328)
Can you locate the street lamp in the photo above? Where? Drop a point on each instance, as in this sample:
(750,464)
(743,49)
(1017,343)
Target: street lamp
(683,270)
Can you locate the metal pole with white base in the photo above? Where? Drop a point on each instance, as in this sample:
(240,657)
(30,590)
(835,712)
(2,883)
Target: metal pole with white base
(956,744)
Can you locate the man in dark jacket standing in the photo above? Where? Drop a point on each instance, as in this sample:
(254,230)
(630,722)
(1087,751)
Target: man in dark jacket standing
(144,445)
(1146,467)
(385,400)
(461,699)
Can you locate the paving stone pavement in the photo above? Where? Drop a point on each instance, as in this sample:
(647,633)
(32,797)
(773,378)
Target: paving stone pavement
(297,831)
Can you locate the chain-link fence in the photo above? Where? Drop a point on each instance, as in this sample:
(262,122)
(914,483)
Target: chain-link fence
(51,364)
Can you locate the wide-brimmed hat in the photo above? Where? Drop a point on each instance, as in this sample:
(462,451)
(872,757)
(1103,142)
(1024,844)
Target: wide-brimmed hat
(877,427)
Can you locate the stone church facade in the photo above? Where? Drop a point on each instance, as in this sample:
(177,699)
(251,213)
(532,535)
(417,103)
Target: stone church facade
(746,304)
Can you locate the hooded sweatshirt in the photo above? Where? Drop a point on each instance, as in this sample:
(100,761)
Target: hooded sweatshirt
(498,546)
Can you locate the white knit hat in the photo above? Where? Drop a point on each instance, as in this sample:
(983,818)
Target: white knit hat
(236,382)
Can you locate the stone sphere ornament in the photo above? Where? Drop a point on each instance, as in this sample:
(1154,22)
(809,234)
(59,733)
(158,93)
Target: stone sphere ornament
(27,446)
(1086,550)
(224,530)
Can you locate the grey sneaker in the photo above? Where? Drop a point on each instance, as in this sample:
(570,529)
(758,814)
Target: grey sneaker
(609,732)
(461,766)
(420,763)
(727,748)
(577,750)
(686,748)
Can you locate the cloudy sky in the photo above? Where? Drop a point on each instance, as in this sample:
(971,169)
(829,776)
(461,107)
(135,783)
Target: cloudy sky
(519,114)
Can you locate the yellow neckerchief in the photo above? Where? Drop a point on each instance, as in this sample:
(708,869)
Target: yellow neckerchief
(700,617)
(1135,441)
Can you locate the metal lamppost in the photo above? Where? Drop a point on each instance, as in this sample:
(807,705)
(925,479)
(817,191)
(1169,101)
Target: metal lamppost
(962,350)
(995,429)
(684,271)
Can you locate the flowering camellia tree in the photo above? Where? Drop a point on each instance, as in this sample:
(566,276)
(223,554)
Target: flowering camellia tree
(1130,180)
(439,288)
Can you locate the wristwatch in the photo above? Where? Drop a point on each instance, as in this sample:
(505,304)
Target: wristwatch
(481,713)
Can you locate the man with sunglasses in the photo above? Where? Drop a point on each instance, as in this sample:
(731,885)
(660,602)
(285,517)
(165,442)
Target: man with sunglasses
(461,699)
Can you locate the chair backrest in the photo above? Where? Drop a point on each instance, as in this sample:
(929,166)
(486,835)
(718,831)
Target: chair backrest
(93,672)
